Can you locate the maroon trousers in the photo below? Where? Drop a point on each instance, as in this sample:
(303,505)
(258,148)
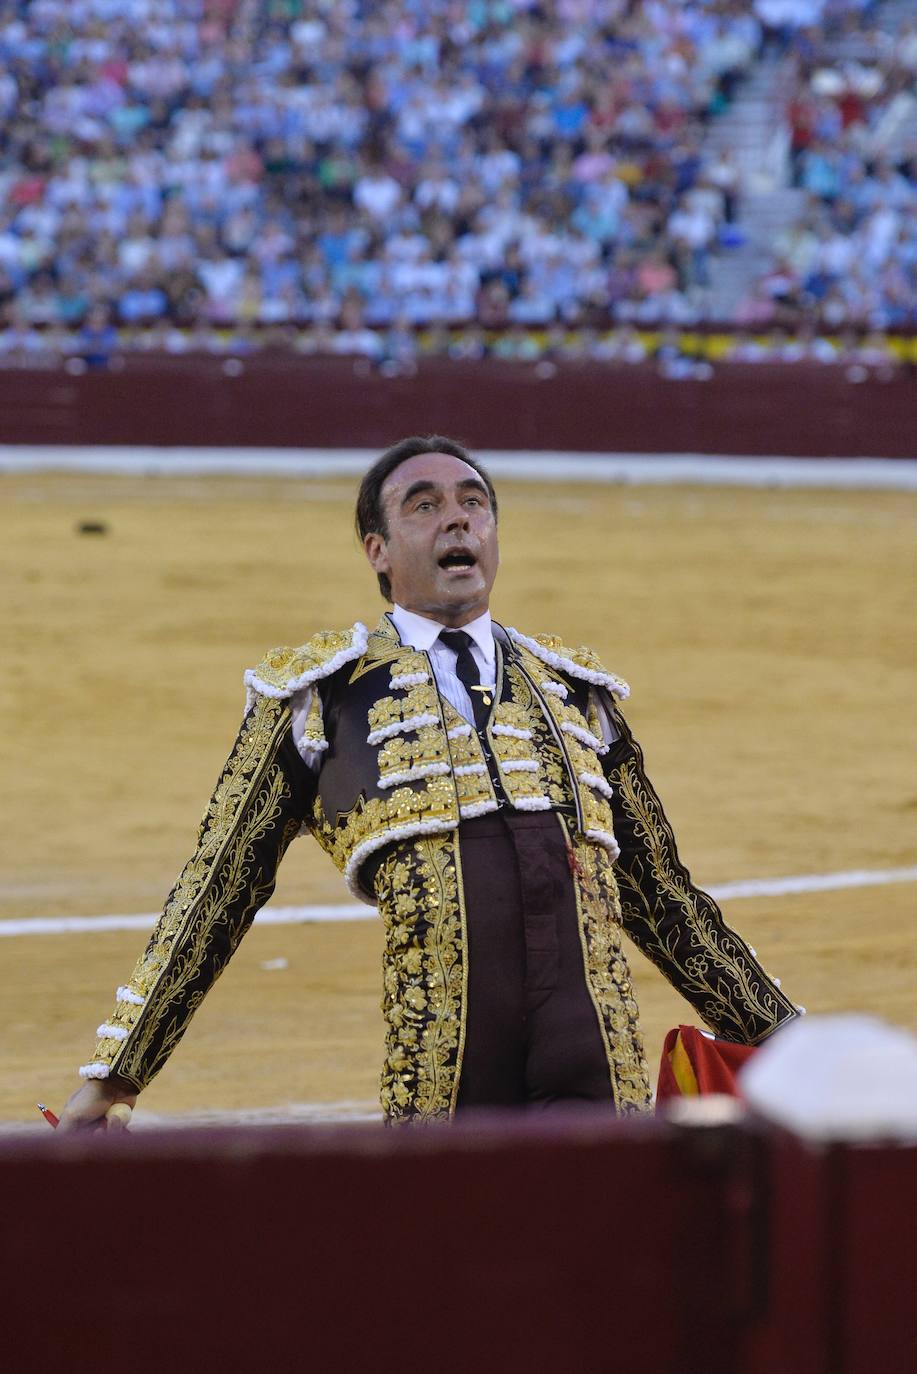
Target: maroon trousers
(532,1034)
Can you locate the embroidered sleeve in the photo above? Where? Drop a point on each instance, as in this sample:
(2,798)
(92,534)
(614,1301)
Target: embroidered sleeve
(677,925)
(259,805)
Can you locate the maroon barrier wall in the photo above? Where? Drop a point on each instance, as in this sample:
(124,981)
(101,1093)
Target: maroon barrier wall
(842,1262)
(508,1246)
(513,1249)
(282,400)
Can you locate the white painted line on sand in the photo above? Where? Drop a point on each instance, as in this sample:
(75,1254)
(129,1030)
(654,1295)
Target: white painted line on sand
(287,1113)
(813,882)
(344,1112)
(270,916)
(640,469)
(307,915)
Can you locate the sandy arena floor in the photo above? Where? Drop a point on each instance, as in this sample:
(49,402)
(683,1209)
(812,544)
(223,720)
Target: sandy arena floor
(768,638)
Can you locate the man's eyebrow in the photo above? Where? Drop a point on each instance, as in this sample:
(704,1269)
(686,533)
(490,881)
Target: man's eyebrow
(426,485)
(416,487)
(476,483)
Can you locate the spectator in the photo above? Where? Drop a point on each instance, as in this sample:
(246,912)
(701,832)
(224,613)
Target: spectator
(98,339)
(259,165)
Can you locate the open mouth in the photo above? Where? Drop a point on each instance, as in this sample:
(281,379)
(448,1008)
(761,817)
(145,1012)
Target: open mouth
(458,559)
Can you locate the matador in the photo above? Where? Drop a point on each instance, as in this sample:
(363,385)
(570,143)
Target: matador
(482,788)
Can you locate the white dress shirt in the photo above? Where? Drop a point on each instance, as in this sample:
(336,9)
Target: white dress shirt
(423,634)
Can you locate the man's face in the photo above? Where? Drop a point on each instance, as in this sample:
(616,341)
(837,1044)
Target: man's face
(440,554)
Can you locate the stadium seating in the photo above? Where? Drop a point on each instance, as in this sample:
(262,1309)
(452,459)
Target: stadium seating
(335,177)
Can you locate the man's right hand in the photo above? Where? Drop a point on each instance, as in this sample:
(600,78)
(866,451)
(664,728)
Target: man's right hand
(85,1109)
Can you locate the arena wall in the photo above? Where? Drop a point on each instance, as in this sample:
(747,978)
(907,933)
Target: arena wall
(502,1245)
(776,408)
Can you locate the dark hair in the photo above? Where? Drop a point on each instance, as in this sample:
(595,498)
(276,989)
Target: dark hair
(370,516)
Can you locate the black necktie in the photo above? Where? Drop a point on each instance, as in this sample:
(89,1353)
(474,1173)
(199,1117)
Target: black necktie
(466,670)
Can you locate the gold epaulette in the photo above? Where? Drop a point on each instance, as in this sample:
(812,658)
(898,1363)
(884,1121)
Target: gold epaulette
(286,669)
(582,662)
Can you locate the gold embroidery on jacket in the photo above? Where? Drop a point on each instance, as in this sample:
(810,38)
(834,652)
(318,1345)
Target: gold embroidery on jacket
(432,777)
(394,713)
(245,805)
(597,814)
(283,665)
(381,647)
(382,818)
(411,661)
(472,780)
(418,890)
(521,771)
(583,657)
(423,747)
(715,969)
(432,764)
(607,973)
(524,772)
(574,756)
(558,783)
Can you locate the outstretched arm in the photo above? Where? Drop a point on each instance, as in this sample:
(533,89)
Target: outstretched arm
(677,925)
(261,800)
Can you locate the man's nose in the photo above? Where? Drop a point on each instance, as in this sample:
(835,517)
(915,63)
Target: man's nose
(455,517)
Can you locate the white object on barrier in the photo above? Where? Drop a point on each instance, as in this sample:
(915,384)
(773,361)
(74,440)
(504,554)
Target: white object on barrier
(837,1078)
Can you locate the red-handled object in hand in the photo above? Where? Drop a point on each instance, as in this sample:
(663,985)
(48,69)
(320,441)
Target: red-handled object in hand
(117,1118)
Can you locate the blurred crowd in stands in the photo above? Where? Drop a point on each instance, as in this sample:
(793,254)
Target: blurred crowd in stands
(850,258)
(376,178)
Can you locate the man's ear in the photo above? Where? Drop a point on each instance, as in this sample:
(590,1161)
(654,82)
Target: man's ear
(376,551)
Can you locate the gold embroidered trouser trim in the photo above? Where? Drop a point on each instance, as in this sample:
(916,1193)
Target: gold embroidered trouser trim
(419,891)
(607,974)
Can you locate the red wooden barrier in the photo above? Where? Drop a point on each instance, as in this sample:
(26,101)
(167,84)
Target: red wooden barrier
(520,1246)
(505,1245)
(842,1262)
(285,401)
